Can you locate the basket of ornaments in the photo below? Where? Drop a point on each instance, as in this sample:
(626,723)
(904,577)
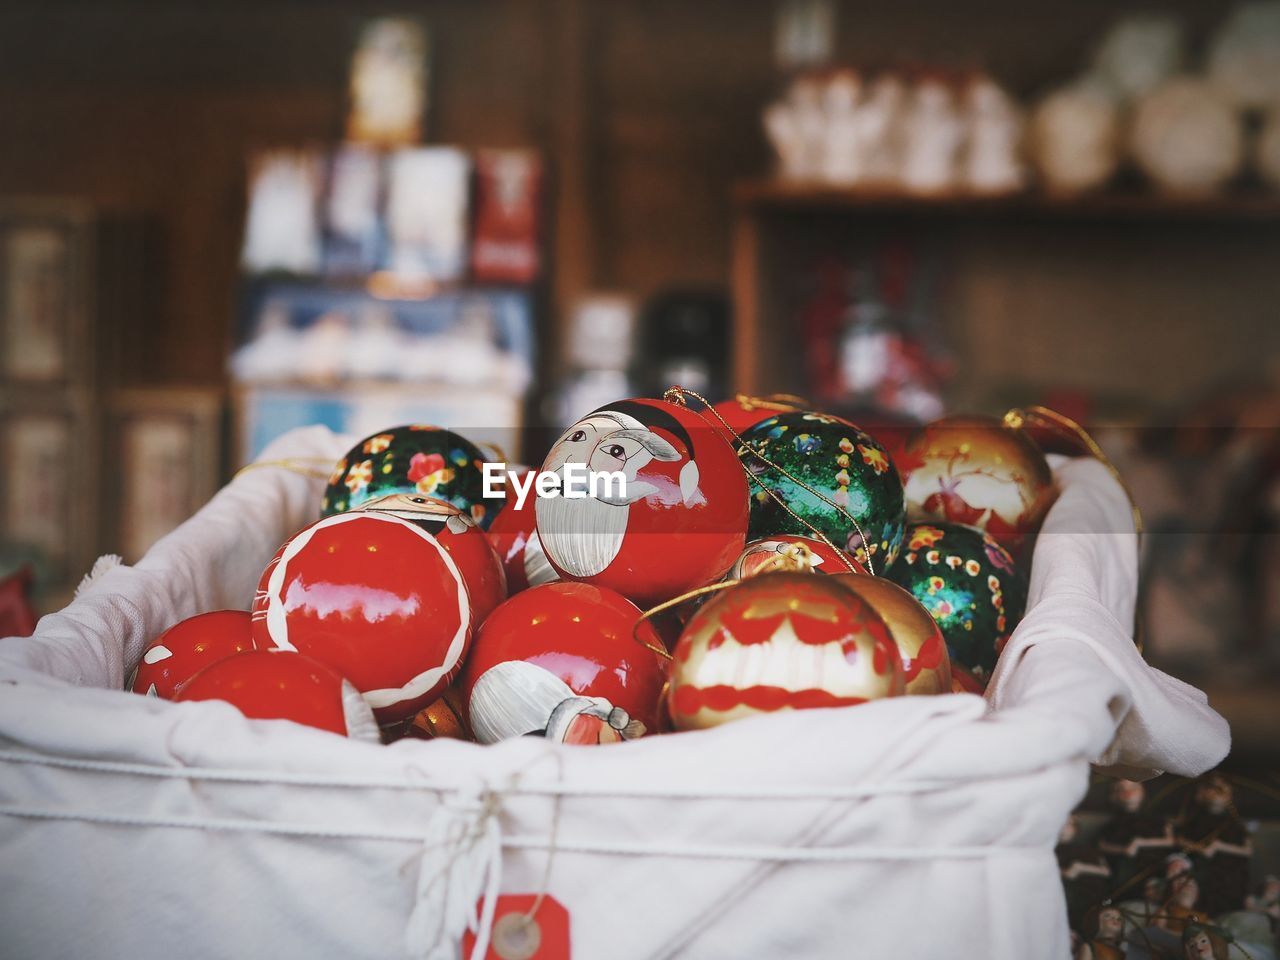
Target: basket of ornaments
(717,680)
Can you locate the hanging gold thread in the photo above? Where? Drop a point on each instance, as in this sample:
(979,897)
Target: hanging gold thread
(671,604)
(1063,426)
(679,394)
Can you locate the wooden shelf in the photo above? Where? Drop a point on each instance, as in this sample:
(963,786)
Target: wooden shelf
(788,196)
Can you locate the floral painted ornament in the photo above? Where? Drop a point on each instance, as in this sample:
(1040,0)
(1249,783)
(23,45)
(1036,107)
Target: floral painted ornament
(980,472)
(971,587)
(850,470)
(781,641)
(417,460)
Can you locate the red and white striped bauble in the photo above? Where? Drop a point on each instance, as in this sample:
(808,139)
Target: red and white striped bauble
(375,597)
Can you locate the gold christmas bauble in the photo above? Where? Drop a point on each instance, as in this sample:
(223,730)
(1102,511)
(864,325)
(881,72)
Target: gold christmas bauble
(781,641)
(925,663)
(979,472)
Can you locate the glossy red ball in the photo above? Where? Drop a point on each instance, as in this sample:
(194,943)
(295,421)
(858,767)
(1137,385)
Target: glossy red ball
(462,539)
(280,685)
(188,647)
(514,536)
(677,521)
(561,659)
(744,412)
(378,599)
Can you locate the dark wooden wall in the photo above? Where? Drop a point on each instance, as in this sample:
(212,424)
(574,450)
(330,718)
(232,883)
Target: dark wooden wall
(649,110)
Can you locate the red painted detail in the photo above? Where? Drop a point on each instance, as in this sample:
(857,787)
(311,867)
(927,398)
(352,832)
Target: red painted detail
(721,698)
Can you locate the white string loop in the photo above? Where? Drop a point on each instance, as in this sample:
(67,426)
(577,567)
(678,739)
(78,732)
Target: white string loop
(461,861)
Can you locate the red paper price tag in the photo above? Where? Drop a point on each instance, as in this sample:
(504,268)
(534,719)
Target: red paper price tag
(517,936)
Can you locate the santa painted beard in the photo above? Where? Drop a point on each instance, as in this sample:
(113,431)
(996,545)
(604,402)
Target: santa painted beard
(582,536)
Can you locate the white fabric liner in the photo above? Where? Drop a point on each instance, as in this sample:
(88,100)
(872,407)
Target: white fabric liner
(911,827)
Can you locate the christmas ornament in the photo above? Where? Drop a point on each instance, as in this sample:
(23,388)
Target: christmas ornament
(188,647)
(970,586)
(416,460)
(926,666)
(979,472)
(567,661)
(17,618)
(789,552)
(962,681)
(781,641)
(466,543)
(442,719)
(744,412)
(843,481)
(377,598)
(678,521)
(515,538)
(280,685)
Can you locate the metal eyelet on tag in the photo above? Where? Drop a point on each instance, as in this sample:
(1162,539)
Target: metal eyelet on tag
(516,936)
(521,932)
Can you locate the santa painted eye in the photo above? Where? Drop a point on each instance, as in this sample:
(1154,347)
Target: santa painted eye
(615,450)
(419,499)
(577,436)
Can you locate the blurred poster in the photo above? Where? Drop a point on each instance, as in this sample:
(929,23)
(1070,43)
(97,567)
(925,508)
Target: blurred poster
(282,232)
(157,494)
(504,248)
(353,222)
(427,212)
(38,461)
(389,83)
(36,293)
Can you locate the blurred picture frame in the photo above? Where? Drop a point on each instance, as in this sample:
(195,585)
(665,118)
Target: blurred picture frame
(46,486)
(168,448)
(43,253)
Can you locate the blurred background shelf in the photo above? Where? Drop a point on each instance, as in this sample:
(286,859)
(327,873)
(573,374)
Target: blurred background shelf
(772,195)
(1113,294)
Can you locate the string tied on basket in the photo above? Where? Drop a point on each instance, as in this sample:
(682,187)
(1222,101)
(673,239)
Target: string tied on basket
(461,862)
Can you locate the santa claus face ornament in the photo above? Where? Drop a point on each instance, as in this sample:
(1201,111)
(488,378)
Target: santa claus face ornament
(673,517)
(565,661)
(378,599)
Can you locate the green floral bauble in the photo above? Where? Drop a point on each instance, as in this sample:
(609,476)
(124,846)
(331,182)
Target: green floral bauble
(970,586)
(841,462)
(422,460)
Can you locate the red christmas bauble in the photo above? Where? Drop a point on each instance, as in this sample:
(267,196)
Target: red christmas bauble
(461,538)
(377,598)
(561,659)
(679,521)
(188,647)
(785,551)
(515,538)
(781,641)
(744,411)
(280,685)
